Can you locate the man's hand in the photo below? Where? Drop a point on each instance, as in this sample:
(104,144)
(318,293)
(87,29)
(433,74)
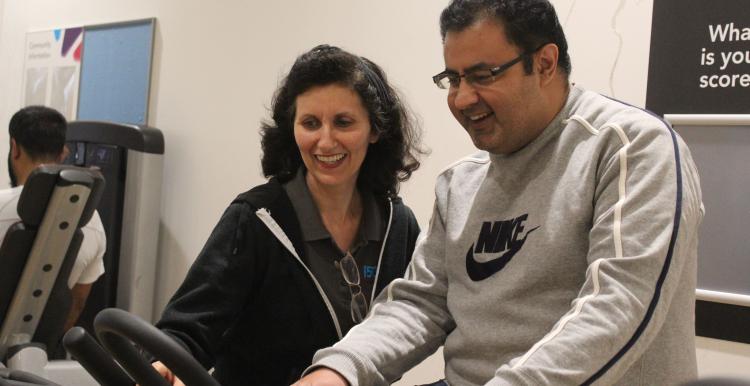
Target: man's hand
(322,377)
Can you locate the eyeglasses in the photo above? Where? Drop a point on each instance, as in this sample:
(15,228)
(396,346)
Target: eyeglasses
(350,272)
(482,77)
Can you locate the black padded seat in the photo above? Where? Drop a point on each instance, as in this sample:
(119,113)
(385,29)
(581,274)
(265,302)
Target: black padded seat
(38,253)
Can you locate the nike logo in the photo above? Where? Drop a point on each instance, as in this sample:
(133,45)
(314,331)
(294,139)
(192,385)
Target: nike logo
(496,237)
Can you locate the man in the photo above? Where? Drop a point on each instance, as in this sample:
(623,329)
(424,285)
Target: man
(564,254)
(37,136)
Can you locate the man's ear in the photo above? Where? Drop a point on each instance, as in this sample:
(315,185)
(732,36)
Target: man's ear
(64,154)
(15,149)
(546,64)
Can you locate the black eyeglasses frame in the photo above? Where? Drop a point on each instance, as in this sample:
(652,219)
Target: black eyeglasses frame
(483,79)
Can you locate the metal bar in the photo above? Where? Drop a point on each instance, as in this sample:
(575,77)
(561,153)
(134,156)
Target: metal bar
(708,119)
(723,297)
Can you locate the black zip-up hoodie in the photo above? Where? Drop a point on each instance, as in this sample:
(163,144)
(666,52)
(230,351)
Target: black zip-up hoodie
(249,307)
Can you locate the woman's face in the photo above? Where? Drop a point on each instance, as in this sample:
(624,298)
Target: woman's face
(332,131)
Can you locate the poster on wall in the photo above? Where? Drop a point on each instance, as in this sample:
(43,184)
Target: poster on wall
(699,80)
(52,69)
(699,61)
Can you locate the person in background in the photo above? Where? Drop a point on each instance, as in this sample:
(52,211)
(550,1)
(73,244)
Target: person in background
(563,253)
(295,263)
(37,136)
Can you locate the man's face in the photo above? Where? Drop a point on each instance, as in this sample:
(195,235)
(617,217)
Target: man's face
(498,116)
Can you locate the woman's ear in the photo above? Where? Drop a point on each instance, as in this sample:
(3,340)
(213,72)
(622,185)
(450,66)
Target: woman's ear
(374,136)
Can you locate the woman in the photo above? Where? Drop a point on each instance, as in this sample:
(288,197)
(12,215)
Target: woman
(294,263)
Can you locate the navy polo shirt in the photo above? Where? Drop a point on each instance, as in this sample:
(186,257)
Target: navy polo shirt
(323,255)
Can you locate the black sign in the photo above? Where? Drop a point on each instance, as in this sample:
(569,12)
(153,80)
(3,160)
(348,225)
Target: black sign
(700,57)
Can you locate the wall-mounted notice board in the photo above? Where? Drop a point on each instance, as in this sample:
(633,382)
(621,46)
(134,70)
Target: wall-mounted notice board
(116,72)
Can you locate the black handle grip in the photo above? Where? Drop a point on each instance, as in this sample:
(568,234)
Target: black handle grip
(94,359)
(116,330)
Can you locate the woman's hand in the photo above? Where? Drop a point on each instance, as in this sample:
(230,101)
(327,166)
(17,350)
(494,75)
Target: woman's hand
(322,377)
(167,374)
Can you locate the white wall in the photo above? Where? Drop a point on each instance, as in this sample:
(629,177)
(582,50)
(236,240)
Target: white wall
(2,8)
(216,65)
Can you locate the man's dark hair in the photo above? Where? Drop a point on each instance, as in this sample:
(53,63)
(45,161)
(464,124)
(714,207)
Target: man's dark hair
(528,24)
(390,160)
(40,131)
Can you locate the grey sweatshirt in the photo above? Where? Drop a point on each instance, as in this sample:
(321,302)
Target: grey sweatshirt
(571,261)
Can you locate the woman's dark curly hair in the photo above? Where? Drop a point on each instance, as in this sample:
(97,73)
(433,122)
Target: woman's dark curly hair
(389,161)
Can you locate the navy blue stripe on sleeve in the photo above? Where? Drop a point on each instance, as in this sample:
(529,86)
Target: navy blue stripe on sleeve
(665,268)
